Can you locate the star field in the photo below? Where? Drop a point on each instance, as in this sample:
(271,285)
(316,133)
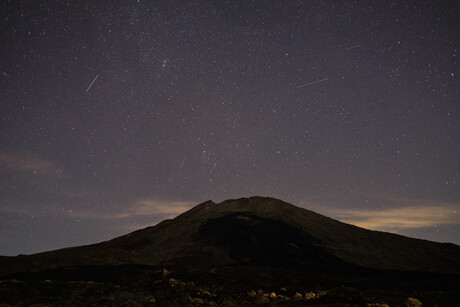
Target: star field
(118,114)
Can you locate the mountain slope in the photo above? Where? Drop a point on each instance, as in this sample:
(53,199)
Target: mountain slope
(252,230)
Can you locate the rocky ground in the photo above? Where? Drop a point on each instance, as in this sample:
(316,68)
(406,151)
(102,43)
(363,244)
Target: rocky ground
(162,289)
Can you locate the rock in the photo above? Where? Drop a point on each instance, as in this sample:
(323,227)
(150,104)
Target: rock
(262,300)
(310,295)
(272,295)
(321,293)
(186,297)
(412,302)
(131,303)
(125,296)
(197,301)
(298,296)
(157,283)
(228,301)
(205,293)
(252,293)
(377,305)
(344,294)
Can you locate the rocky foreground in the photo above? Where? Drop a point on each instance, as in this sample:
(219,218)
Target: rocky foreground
(160,288)
(168,291)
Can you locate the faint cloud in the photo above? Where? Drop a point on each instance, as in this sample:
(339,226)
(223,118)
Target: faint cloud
(155,206)
(9,211)
(138,208)
(147,212)
(30,163)
(394,219)
(141,209)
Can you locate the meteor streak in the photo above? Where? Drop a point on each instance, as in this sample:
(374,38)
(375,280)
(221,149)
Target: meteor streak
(183,162)
(353,47)
(92,83)
(311,83)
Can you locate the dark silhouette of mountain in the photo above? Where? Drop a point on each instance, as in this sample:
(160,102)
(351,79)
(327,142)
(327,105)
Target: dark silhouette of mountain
(258,230)
(253,243)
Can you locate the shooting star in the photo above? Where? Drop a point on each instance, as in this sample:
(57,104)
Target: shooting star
(311,83)
(92,83)
(183,162)
(353,47)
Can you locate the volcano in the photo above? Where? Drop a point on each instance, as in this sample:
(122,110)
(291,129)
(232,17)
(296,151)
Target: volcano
(242,251)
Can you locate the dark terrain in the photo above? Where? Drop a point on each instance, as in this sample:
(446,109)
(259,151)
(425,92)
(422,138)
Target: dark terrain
(240,252)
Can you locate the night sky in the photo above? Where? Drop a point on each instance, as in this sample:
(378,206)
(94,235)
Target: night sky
(115,115)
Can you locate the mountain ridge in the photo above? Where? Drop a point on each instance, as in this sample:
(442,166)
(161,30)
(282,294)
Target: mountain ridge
(240,252)
(172,241)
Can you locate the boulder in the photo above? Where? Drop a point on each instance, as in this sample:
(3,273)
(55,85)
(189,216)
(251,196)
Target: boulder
(412,302)
(197,301)
(262,300)
(298,296)
(310,295)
